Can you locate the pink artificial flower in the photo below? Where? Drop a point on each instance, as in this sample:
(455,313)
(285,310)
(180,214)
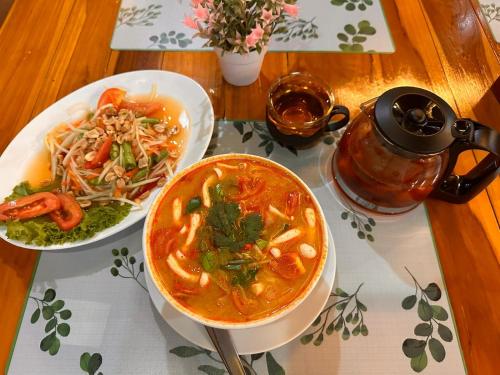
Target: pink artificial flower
(195,3)
(258,31)
(201,13)
(251,40)
(292,10)
(255,36)
(267,16)
(189,22)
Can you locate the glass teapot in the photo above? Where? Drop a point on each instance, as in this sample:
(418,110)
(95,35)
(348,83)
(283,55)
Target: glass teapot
(403,147)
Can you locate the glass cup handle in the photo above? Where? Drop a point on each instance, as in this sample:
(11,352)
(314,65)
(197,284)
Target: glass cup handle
(336,125)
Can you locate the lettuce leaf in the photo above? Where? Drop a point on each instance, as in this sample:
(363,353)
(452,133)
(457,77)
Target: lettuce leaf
(42,231)
(24,188)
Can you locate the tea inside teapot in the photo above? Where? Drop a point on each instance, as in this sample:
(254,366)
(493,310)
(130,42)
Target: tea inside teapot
(403,146)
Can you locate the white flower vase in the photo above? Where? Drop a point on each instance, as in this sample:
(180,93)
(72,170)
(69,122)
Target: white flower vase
(240,70)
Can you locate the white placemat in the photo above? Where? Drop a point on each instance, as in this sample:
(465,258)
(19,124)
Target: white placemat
(491,11)
(389,301)
(322,25)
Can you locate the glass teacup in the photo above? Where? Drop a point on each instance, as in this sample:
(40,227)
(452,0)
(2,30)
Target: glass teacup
(300,107)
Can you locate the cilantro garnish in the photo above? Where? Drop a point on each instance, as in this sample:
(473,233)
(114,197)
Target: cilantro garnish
(244,277)
(225,232)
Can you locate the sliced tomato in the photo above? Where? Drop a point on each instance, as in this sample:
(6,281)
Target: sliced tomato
(145,109)
(113,96)
(249,187)
(179,289)
(143,189)
(292,202)
(243,304)
(69,215)
(288,266)
(192,253)
(163,242)
(101,156)
(30,206)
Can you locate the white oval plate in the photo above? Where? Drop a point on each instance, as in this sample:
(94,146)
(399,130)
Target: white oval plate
(28,144)
(262,338)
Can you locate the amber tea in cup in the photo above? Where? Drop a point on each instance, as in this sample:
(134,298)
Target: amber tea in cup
(299,108)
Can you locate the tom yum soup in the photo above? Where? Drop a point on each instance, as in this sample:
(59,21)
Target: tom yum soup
(236,240)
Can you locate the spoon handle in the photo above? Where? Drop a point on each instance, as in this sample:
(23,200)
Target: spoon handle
(224,345)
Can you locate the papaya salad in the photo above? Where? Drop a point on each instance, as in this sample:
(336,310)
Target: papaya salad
(101,167)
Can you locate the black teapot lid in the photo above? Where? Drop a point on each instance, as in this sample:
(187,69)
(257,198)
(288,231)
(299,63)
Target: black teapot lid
(415,119)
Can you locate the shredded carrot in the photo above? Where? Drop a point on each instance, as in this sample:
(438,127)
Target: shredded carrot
(75,184)
(132,172)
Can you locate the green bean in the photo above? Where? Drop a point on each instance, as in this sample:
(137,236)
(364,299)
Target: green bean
(140,175)
(95,181)
(114,153)
(162,155)
(231,267)
(128,156)
(150,120)
(240,261)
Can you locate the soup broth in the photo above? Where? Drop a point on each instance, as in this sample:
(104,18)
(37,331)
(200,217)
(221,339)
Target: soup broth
(236,241)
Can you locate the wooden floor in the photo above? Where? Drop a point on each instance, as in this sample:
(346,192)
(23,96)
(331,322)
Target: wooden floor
(50,48)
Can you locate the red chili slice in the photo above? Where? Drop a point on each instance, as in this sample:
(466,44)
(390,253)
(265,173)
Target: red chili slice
(28,207)
(101,156)
(292,202)
(69,215)
(143,189)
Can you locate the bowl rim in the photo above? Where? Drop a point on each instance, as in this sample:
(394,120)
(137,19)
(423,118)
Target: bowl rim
(148,223)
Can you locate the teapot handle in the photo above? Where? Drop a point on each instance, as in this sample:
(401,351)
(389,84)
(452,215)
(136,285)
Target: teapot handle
(469,135)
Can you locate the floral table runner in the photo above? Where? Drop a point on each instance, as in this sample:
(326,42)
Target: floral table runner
(322,25)
(491,11)
(88,310)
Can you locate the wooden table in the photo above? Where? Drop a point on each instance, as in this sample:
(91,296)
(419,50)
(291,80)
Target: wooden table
(50,48)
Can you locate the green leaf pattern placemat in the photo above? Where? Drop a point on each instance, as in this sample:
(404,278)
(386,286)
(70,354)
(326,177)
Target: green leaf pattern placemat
(322,25)
(491,11)
(89,312)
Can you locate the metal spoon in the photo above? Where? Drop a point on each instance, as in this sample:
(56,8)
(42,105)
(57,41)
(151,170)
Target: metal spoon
(225,347)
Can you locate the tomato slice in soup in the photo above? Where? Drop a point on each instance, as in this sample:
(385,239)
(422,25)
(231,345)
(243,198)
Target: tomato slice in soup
(288,266)
(242,303)
(163,242)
